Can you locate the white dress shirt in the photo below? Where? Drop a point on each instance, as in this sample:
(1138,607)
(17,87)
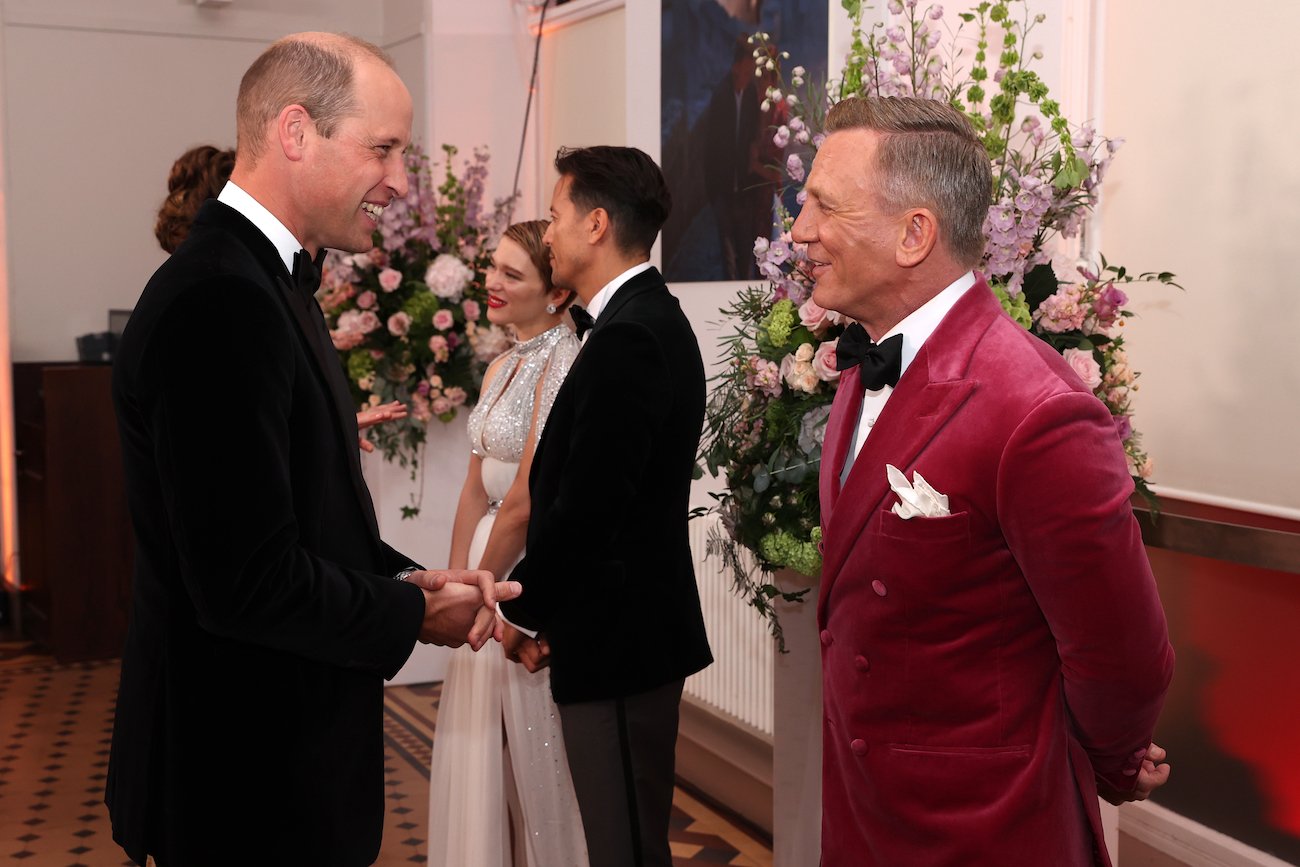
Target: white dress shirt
(266,222)
(601,299)
(916,329)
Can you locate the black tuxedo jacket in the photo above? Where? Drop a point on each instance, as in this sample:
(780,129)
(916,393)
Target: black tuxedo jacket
(608,574)
(248,726)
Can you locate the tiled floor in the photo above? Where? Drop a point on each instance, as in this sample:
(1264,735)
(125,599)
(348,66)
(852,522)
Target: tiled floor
(55,723)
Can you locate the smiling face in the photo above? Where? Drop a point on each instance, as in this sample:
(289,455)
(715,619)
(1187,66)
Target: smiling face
(351,177)
(517,295)
(567,239)
(852,242)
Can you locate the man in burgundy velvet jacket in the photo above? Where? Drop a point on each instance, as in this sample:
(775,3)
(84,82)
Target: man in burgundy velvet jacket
(991,668)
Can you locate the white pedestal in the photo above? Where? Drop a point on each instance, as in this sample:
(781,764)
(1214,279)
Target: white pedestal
(797,732)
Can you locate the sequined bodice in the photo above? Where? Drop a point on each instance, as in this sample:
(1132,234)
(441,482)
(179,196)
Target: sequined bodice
(498,426)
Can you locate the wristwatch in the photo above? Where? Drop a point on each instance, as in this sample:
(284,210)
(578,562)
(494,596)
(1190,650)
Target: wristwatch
(406,573)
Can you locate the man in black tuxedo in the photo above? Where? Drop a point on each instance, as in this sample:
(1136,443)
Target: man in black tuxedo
(265,615)
(609,578)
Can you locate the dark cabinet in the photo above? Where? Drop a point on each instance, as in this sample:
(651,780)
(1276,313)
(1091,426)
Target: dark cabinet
(74,533)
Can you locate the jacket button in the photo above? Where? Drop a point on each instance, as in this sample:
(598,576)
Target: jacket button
(859,747)
(826,638)
(880,588)
(861,663)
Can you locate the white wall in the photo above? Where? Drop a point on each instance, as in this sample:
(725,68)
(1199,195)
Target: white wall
(101,98)
(1207,186)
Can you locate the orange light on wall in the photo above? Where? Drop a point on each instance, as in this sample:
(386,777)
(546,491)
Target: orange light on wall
(8,476)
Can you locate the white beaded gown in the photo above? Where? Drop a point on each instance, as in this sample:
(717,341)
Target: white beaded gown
(497,739)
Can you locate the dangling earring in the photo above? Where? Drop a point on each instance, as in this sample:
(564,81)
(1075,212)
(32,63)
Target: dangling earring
(552,309)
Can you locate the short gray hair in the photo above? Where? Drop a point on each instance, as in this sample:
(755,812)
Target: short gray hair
(929,156)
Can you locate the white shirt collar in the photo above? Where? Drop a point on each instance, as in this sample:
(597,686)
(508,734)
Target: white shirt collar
(601,299)
(266,222)
(917,327)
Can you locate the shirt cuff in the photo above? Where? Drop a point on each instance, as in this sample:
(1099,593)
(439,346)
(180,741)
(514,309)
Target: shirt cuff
(501,615)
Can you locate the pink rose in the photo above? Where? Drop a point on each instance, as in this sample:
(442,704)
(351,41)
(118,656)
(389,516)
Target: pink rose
(442,320)
(389,279)
(1082,362)
(438,346)
(471,309)
(368,322)
(420,408)
(399,323)
(456,395)
(812,316)
(440,405)
(366,300)
(824,361)
(344,340)
(378,257)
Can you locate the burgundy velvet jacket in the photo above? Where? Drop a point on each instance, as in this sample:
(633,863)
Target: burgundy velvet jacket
(986,671)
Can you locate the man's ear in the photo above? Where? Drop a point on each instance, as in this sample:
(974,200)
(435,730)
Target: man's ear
(292,125)
(920,233)
(597,225)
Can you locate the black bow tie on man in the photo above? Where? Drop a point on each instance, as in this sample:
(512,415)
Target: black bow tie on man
(306,271)
(582,319)
(880,364)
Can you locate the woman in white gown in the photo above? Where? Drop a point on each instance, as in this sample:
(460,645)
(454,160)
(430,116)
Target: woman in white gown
(500,791)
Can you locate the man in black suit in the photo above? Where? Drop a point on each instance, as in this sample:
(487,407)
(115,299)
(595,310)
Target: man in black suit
(608,574)
(265,615)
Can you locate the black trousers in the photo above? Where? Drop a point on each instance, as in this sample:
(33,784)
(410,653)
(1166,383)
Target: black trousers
(621,755)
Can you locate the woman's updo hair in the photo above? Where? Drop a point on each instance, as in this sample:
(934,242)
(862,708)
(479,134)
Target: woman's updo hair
(198,175)
(528,235)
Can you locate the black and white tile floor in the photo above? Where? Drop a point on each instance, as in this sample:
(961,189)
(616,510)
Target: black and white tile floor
(55,726)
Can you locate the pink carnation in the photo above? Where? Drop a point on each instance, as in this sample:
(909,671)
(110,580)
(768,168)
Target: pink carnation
(344,340)
(470,308)
(824,361)
(389,279)
(366,300)
(1062,311)
(456,395)
(1082,362)
(399,323)
(442,320)
(440,405)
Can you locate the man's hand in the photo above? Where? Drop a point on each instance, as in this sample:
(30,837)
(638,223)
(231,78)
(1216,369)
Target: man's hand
(533,653)
(452,600)
(1153,774)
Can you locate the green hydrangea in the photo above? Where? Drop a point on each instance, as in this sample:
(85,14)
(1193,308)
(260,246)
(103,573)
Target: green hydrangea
(421,306)
(360,364)
(1017,307)
(784,549)
(774,329)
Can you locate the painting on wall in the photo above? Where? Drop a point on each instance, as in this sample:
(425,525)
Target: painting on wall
(722,167)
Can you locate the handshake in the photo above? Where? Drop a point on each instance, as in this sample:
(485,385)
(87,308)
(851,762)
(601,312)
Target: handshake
(460,605)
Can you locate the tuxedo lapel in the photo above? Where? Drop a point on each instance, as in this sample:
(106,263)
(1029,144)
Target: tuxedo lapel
(839,437)
(311,325)
(932,390)
(310,322)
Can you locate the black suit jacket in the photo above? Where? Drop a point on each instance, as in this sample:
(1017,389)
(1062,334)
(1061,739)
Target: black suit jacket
(608,574)
(248,726)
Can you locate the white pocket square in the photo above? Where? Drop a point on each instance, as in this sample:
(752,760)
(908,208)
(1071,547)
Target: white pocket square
(915,497)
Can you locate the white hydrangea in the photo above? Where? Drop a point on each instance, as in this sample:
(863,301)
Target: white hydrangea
(447,277)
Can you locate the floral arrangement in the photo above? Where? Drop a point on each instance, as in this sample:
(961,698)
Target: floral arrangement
(767,413)
(409,317)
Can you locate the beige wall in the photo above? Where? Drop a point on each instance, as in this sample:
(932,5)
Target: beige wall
(99,100)
(1208,186)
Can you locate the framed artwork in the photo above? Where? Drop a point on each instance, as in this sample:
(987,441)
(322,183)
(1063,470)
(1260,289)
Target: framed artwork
(716,127)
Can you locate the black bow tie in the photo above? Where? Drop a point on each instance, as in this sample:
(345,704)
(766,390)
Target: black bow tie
(582,319)
(306,271)
(880,363)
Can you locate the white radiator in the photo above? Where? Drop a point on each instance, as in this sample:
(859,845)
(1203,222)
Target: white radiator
(739,682)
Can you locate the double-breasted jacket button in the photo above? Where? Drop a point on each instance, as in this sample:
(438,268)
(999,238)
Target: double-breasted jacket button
(861,663)
(859,747)
(879,587)
(826,638)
